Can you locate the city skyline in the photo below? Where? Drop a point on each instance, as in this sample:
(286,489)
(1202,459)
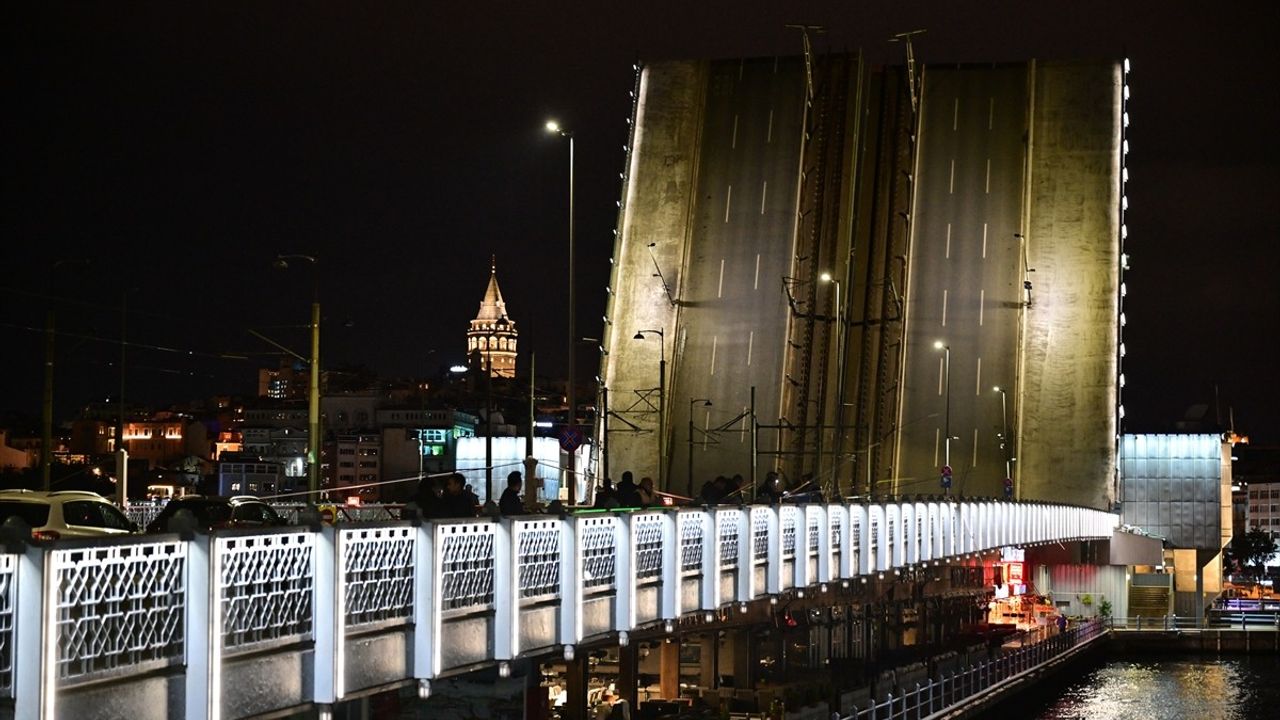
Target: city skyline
(180,153)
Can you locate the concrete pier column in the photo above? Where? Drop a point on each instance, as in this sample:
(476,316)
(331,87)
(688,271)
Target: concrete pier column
(710,670)
(744,659)
(669,669)
(628,663)
(575,678)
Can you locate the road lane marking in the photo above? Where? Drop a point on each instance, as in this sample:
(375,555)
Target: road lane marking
(988,188)
(941,368)
(982,301)
(991,112)
(764,193)
(984,241)
(944,307)
(948,241)
(733,144)
(713,354)
(728,203)
(742,434)
(955,114)
(977,387)
(937,440)
(975,448)
(951,184)
(768,138)
(751,341)
(720,285)
(756,284)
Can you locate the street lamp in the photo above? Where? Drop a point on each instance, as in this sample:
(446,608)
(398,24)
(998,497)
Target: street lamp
(705,403)
(313,397)
(946,373)
(1004,430)
(554,128)
(826,277)
(662,399)
(46,418)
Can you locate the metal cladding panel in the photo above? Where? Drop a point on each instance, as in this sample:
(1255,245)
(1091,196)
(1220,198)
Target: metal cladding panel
(374,660)
(647,604)
(538,627)
(597,615)
(465,641)
(260,684)
(155,697)
(1171,486)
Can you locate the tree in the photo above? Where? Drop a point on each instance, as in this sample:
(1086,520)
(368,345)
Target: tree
(1252,549)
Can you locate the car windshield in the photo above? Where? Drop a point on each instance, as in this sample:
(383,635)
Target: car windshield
(91,513)
(33,514)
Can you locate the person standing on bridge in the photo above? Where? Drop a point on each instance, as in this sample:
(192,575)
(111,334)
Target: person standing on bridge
(509,503)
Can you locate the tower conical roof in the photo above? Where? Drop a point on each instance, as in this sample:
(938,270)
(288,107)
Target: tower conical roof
(492,307)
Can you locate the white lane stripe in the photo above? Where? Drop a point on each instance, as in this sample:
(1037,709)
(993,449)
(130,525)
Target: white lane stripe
(982,303)
(951,184)
(734,142)
(751,341)
(720,285)
(991,113)
(955,114)
(755,285)
(944,308)
(975,448)
(764,193)
(713,354)
(977,387)
(728,203)
(941,367)
(988,188)
(948,241)
(768,138)
(937,440)
(742,434)
(984,241)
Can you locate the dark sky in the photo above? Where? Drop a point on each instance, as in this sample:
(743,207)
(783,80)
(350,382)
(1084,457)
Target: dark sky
(180,149)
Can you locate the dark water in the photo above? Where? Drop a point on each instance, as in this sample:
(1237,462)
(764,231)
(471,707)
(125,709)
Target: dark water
(1155,687)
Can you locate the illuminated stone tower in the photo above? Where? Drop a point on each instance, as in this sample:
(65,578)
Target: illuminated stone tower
(491,341)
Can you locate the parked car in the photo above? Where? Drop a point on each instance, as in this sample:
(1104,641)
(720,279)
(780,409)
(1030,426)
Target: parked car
(65,514)
(213,512)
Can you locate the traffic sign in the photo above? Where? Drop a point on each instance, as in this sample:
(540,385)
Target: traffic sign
(946,477)
(570,439)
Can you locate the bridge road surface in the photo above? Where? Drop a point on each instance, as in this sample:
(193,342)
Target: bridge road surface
(966,280)
(734,314)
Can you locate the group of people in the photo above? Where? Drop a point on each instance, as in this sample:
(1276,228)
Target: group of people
(627,493)
(454,498)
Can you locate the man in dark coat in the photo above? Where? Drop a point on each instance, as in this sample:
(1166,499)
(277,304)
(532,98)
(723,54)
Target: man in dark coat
(509,503)
(627,492)
(457,502)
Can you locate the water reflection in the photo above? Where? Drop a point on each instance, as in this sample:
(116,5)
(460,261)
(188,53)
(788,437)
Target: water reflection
(1169,688)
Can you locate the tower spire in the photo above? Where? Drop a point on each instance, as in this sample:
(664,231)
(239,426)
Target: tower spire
(491,340)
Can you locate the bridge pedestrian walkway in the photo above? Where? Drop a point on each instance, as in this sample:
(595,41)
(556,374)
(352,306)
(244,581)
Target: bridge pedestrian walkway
(246,622)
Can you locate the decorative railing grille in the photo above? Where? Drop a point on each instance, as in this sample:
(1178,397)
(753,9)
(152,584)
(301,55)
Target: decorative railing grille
(648,546)
(267,587)
(759,535)
(812,535)
(378,569)
(787,519)
(599,551)
(118,605)
(8,574)
(466,565)
(538,558)
(691,530)
(835,527)
(729,521)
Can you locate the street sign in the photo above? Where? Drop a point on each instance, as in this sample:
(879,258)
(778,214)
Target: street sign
(570,439)
(1008,488)
(946,477)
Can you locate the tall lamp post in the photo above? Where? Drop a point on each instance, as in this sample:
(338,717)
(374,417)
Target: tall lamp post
(554,128)
(662,399)
(826,277)
(1004,431)
(705,403)
(46,419)
(946,373)
(313,396)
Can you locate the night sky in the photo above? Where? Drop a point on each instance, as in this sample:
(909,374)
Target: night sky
(180,149)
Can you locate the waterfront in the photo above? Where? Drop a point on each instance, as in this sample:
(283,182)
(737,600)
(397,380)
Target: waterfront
(1156,687)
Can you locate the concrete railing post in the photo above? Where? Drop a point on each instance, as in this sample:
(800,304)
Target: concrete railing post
(202,646)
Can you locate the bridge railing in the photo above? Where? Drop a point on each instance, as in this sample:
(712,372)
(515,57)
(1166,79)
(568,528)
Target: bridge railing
(245,622)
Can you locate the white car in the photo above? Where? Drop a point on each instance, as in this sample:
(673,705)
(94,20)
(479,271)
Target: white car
(64,514)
